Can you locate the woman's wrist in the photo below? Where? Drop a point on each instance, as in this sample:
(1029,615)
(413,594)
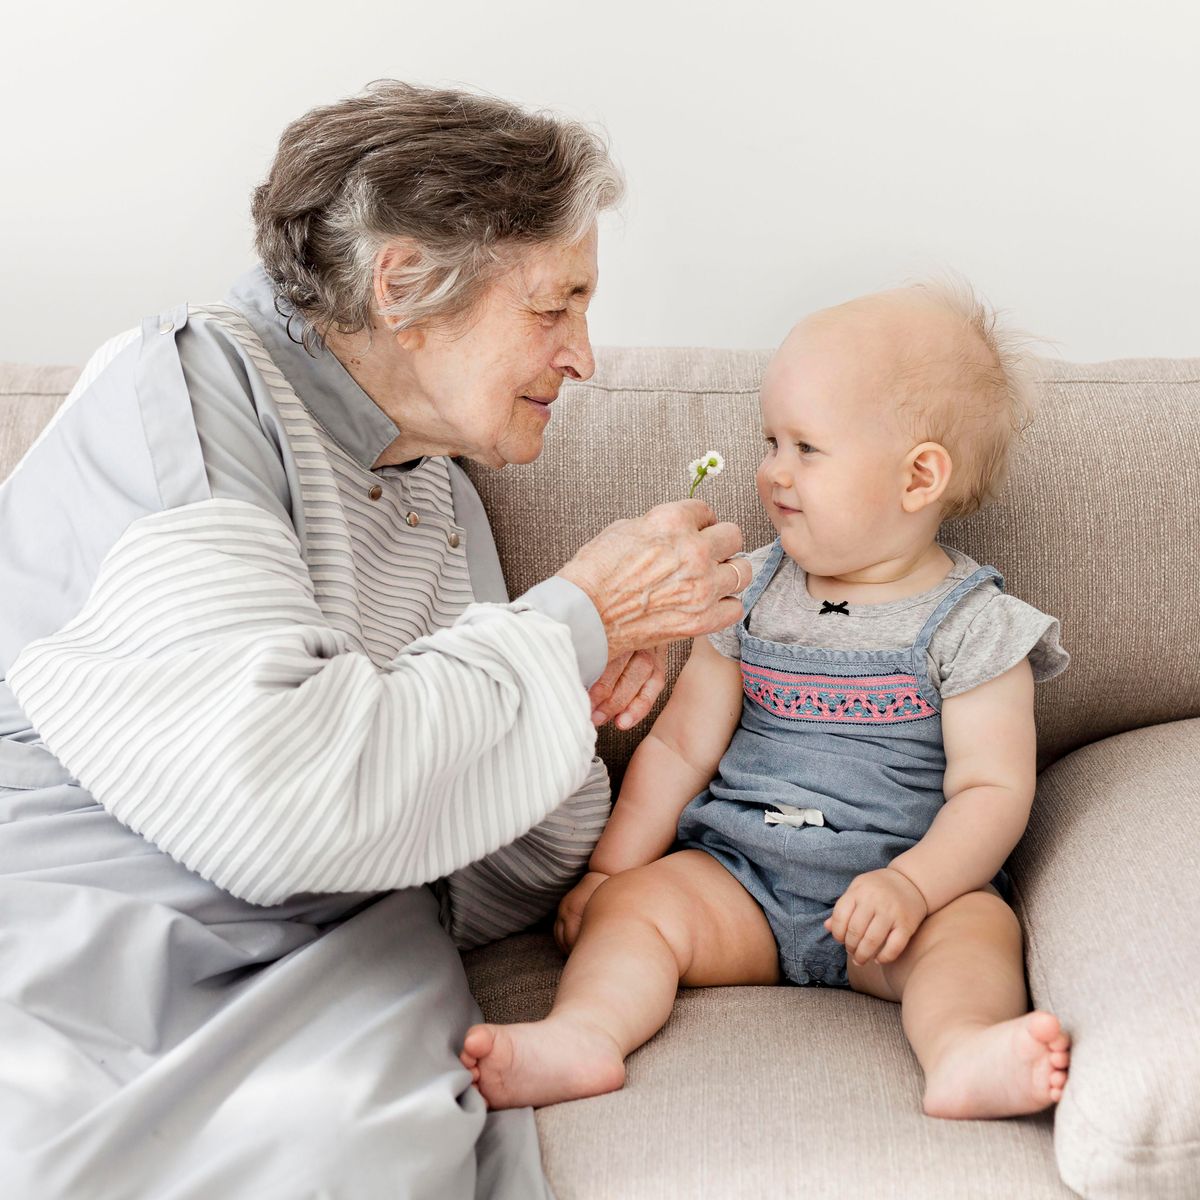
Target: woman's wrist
(565,601)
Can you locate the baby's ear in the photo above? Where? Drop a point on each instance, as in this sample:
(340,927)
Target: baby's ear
(927,471)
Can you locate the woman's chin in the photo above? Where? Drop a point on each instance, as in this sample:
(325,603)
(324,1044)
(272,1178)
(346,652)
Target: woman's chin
(516,455)
(522,450)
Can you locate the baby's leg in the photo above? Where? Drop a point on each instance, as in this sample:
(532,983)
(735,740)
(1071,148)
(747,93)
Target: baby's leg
(682,919)
(961,984)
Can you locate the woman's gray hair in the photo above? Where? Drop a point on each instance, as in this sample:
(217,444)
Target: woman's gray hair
(468,179)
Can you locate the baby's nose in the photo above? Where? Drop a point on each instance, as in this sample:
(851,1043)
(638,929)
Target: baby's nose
(778,474)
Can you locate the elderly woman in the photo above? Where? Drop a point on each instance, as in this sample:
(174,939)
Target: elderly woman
(264,682)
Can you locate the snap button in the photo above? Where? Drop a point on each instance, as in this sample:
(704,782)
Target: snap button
(167,327)
(453,539)
(375,492)
(413,519)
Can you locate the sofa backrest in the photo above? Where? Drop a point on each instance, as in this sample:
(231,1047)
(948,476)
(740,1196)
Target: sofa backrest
(29,397)
(1098,525)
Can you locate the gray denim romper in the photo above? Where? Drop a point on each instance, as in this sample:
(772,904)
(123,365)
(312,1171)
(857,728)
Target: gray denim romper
(855,734)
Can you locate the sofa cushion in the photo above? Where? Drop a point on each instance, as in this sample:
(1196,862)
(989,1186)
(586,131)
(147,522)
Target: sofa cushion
(764,1091)
(1109,892)
(1097,526)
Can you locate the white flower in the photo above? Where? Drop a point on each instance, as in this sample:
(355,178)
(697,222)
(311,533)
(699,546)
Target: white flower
(709,463)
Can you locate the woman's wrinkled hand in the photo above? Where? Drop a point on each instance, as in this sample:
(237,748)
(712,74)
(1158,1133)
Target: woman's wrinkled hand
(876,915)
(664,576)
(629,686)
(570,910)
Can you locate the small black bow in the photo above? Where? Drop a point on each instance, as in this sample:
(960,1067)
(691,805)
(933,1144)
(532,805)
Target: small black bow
(828,606)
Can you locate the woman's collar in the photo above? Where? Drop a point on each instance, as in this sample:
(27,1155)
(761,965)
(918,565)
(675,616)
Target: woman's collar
(323,385)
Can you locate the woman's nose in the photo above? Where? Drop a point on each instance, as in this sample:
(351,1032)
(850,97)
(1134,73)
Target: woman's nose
(575,358)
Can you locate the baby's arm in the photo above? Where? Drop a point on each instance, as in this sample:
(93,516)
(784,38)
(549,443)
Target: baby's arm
(991,771)
(674,762)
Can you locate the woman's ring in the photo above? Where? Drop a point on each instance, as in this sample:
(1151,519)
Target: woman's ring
(735,563)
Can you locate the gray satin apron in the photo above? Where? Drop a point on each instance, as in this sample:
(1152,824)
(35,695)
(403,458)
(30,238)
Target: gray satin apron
(165,1039)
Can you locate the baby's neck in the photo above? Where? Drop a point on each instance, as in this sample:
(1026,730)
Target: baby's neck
(881,582)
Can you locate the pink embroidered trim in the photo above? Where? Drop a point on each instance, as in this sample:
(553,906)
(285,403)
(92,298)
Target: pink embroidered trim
(868,699)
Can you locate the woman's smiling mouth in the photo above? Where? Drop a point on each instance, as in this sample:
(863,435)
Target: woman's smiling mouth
(541,403)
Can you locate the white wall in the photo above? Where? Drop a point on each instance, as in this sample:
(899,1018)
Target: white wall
(780,155)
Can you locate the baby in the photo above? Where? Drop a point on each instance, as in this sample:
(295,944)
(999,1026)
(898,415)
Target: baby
(831,791)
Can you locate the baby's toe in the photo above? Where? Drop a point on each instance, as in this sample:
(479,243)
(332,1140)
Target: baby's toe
(1044,1027)
(479,1041)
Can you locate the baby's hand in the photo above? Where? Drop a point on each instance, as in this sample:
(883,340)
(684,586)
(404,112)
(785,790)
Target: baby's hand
(570,910)
(876,916)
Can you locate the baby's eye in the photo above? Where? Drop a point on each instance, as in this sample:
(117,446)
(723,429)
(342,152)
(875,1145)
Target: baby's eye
(803,447)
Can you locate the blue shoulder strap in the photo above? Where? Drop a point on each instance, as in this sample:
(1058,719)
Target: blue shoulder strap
(770,566)
(948,602)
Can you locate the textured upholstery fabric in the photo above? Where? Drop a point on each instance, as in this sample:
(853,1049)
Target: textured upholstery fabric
(1098,525)
(1108,878)
(815,1094)
(788,1093)
(28,399)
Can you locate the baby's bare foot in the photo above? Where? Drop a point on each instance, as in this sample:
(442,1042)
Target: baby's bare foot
(541,1062)
(1018,1066)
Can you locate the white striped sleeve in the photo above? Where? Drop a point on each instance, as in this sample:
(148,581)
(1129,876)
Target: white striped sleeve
(520,883)
(205,701)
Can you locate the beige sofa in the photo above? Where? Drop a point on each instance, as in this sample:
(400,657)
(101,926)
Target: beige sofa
(786,1092)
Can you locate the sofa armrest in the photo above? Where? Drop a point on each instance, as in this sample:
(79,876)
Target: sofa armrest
(1108,891)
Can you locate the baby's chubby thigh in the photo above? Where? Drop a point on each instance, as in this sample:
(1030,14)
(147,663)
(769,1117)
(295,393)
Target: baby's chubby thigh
(714,927)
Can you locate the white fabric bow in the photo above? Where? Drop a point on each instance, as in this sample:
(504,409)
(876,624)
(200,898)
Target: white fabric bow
(789,815)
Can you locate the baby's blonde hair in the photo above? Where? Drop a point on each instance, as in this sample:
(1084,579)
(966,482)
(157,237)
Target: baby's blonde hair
(977,401)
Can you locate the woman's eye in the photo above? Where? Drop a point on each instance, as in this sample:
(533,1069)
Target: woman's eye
(554,312)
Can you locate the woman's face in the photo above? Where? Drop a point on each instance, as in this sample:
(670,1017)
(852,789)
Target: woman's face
(488,392)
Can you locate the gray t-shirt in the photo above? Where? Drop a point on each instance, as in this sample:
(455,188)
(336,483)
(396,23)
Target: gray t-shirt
(984,634)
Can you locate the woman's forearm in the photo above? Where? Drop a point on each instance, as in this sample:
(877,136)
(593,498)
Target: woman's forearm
(274,758)
(658,784)
(966,845)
